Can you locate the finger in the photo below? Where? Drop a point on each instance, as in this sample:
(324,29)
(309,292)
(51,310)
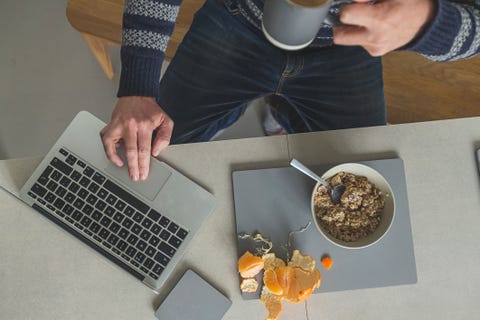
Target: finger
(131,153)
(164,134)
(144,143)
(359,14)
(110,147)
(350,36)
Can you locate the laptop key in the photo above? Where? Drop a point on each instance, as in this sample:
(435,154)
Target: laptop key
(88,171)
(32,195)
(71,160)
(131,251)
(132,239)
(114,227)
(56,175)
(125,196)
(59,203)
(127,223)
(113,239)
(87,209)
(122,245)
(174,242)
(154,215)
(98,178)
(61,166)
(148,263)
(77,215)
(94,227)
(104,233)
(150,251)
(52,185)
(82,193)
(129,211)
(65,181)
(75,175)
(91,199)
(70,197)
(123,233)
(38,190)
(74,187)
(145,235)
(102,193)
(141,245)
(138,217)
(146,223)
(86,221)
(153,275)
(111,199)
(100,205)
(164,235)
(78,203)
(64,152)
(120,205)
(157,269)
(61,191)
(154,241)
(50,197)
(84,182)
(156,229)
(139,257)
(136,229)
(167,249)
(81,163)
(161,258)
(109,211)
(118,217)
(173,227)
(68,209)
(96,215)
(164,222)
(105,221)
(93,187)
(182,233)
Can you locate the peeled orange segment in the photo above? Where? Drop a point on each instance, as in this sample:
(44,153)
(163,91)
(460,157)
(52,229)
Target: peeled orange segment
(273,304)
(249,265)
(271,282)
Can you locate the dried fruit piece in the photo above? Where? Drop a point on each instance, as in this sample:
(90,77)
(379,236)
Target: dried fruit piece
(273,304)
(327,262)
(302,261)
(249,285)
(272,262)
(271,282)
(249,265)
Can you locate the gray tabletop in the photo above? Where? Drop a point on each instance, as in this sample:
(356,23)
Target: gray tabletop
(47,274)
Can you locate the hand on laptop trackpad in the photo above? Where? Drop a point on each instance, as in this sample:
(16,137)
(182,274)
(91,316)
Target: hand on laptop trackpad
(157,177)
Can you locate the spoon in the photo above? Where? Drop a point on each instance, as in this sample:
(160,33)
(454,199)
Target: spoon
(335,192)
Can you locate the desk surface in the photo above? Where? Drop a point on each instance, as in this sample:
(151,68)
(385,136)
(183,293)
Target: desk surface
(47,274)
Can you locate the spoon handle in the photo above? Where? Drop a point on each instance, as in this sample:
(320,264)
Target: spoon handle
(298,165)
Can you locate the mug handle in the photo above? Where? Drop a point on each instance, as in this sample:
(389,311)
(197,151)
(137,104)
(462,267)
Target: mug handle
(332,18)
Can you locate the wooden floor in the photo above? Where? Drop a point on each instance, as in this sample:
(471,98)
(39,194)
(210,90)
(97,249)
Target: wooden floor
(417,89)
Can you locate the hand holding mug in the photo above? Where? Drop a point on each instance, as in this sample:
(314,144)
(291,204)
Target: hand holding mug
(383,26)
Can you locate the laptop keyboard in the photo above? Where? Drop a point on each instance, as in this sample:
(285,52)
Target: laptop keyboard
(95,207)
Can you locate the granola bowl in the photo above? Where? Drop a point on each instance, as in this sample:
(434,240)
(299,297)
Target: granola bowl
(365,212)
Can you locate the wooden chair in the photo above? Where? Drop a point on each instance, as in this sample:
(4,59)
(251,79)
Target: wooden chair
(416,89)
(100,23)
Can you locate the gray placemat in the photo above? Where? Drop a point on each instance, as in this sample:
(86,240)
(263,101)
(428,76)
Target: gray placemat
(276,201)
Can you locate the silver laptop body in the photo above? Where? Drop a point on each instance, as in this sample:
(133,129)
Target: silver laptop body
(143,227)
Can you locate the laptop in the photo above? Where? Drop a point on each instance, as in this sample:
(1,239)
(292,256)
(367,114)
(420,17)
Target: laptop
(144,227)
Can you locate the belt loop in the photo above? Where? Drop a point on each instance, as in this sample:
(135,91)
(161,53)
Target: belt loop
(232,6)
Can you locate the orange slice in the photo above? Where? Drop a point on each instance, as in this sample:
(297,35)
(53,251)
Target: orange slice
(249,265)
(271,282)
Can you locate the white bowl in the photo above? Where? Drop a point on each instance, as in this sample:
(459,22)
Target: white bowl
(388,212)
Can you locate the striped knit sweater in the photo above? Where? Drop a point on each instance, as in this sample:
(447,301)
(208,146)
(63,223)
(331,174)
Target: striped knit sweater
(148,24)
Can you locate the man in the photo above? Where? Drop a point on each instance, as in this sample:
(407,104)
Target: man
(225,62)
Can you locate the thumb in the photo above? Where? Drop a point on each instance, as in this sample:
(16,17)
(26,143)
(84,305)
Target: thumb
(162,139)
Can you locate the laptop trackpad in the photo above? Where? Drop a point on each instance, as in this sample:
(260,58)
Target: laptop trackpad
(149,188)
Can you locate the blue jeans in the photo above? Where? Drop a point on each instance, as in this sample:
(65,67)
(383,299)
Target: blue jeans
(224,63)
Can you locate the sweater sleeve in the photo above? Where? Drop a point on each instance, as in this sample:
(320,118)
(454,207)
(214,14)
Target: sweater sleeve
(453,34)
(146,30)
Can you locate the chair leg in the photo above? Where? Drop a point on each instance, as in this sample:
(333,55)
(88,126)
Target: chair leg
(99,48)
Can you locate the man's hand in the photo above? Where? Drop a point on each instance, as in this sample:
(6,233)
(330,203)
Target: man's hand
(382,26)
(133,121)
